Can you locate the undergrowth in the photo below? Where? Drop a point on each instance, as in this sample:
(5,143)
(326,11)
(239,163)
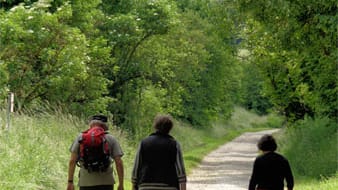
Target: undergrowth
(311,147)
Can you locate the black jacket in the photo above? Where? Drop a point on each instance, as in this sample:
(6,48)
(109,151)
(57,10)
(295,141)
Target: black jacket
(157,160)
(269,172)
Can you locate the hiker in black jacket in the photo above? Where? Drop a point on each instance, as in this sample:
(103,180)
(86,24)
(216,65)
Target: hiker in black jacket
(158,163)
(270,169)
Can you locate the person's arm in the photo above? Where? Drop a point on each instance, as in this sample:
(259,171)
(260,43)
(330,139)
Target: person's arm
(136,168)
(289,176)
(71,170)
(180,168)
(253,180)
(116,153)
(120,171)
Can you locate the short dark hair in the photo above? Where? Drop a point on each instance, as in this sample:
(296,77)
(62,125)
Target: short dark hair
(163,123)
(267,143)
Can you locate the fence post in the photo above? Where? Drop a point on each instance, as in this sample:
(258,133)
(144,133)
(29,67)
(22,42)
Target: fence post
(10,109)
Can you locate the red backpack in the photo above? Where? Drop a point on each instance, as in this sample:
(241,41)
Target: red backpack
(94,150)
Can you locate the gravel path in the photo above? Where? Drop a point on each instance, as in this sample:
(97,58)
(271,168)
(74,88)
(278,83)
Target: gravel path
(229,167)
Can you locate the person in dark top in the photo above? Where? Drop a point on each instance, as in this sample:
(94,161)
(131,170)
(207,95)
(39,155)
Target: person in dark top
(159,163)
(270,169)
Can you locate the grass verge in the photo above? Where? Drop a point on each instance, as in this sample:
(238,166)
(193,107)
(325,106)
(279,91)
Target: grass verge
(311,147)
(330,183)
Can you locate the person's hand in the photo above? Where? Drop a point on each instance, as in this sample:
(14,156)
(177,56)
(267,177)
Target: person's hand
(120,187)
(70,186)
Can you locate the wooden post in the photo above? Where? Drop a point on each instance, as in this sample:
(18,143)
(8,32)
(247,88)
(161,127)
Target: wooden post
(12,102)
(10,109)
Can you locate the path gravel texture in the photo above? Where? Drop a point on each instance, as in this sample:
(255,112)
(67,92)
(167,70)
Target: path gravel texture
(229,167)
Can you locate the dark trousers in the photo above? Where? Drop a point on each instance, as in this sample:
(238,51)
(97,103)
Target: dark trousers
(98,187)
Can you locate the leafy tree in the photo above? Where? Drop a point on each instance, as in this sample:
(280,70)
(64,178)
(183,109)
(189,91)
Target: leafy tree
(252,97)
(294,44)
(47,60)
(126,33)
(130,58)
(219,80)
(86,16)
(202,70)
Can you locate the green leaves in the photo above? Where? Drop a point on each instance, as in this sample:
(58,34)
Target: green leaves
(294,45)
(130,58)
(45,59)
(155,17)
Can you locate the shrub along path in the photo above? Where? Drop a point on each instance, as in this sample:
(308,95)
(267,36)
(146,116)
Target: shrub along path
(229,167)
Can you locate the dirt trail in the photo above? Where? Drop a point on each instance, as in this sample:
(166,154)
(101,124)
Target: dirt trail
(229,167)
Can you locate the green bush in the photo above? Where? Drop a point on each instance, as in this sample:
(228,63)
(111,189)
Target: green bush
(311,147)
(272,120)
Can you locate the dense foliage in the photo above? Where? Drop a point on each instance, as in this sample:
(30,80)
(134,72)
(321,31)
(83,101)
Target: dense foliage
(134,58)
(311,146)
(131,59)
(294,45)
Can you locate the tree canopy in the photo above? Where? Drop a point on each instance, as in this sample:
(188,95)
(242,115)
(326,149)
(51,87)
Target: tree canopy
(294,45)
(134,58)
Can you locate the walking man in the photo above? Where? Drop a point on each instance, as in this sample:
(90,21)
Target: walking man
(159,163)
(96,175)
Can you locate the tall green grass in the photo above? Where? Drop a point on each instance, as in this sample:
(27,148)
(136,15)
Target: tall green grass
(311,147)
(330,183)
(34,152)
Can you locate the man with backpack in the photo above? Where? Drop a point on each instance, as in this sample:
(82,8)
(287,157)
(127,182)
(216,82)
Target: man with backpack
(93,151)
